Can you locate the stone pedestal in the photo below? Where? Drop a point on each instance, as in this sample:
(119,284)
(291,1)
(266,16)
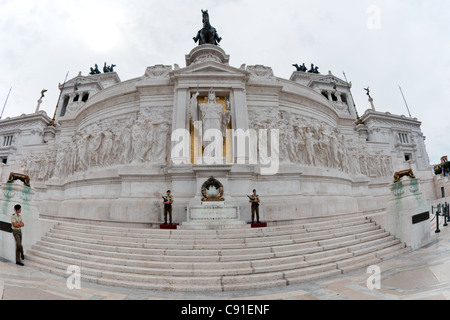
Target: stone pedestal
(10,195)
(406,203)
(207,52)
(205,214)
(214,215)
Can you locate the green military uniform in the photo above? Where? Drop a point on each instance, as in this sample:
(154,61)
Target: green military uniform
(17,233)
(255,208)
(168,209)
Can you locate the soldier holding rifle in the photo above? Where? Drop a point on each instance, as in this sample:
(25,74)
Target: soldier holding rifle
(254,200)
(168,201)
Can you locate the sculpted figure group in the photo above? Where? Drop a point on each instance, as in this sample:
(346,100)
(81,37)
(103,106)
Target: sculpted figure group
(303,68)
(314,143)
(147,136)
(104,144)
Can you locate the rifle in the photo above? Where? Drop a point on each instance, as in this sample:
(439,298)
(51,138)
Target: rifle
(166,199)
(256,203)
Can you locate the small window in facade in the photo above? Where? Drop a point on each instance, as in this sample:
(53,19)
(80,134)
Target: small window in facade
(333,96)
(7,141)
(64,106)
(403,138)
(85,97)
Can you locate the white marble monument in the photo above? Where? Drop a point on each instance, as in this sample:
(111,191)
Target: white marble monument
(117,145)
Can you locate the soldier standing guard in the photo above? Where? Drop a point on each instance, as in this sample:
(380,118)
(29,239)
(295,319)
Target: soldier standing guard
(168,201)
(254,200)
(17,225)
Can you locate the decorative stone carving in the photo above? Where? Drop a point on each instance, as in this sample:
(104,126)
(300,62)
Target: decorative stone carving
(207,52)
(212,190)
(314,143)
(158,71)
(260,71)
(104,144)
(207,57)
(74,107)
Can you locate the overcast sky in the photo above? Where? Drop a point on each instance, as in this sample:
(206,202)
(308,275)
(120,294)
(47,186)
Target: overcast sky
(381,44)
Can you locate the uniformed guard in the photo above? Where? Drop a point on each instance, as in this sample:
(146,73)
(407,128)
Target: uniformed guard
(168,201)
(254,200)
(17,225)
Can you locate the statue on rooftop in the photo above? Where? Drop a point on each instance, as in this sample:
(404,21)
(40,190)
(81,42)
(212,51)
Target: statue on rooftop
(95,70)
(301,68)
(208,34)
(314,69)
(107,69)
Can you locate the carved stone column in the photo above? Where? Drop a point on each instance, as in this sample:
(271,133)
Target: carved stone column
(180,123)
(240,117)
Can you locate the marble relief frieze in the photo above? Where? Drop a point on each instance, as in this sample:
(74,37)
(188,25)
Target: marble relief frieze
(105,143)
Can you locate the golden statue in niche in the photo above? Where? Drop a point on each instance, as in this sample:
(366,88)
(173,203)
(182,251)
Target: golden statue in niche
(215,113)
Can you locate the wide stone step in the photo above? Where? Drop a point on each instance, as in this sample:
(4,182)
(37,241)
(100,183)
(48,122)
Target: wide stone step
(167,283)
(197,268)
(180,243)
(374,245)
(190,244)
(373,258)
(209,255)
(292,279)
(134,261)
(131,280)
(146,268)
(213,260)
(225,254)
(394,251)
(206,234)
(124,253)
(156,254)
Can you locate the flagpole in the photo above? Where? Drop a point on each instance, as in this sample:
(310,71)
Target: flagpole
(353,100)
(52,123)
(407,107)
(1,116)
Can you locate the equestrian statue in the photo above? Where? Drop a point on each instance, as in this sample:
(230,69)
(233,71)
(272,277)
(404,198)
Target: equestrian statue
(208,34)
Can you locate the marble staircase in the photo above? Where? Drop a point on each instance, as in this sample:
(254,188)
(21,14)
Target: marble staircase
(214,260)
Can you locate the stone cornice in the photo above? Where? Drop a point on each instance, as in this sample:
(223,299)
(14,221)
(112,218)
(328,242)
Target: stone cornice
(377,116)
(207,52)
(111,77)
(11,123)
